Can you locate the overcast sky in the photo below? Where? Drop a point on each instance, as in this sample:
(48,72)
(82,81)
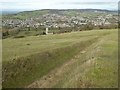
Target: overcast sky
(58,4)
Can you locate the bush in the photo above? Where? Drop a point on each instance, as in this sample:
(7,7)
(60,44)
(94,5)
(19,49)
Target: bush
(19,36)
(6,33)
(44,33)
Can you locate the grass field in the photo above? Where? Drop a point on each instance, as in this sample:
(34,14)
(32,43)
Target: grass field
(77,59)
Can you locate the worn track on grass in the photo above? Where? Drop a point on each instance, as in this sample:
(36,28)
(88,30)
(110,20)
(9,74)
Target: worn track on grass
(53,77)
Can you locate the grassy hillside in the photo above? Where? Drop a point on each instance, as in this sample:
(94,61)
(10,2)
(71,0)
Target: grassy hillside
(26,14)
(67,12)
(26,60)
(97,67)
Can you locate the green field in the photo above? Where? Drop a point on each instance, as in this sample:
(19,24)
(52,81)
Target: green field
(76,59)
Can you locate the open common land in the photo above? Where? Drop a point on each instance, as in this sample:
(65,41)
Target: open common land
(76,59)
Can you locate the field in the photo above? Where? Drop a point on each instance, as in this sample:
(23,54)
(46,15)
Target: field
(76,59)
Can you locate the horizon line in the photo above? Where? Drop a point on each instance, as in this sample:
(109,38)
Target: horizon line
(57,9)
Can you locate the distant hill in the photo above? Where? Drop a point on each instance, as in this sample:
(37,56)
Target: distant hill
(68,12)
(9,12)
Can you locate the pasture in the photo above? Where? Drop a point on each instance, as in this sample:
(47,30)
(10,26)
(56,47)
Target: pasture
(84,58)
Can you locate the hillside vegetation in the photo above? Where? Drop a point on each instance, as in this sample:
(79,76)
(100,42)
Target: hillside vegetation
(69,12)
(34,23)
(76,59)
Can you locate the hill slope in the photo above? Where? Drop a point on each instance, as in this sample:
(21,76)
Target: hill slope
(77,59)
(67,12)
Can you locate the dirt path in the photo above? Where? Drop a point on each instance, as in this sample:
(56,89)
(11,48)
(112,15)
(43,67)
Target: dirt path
(55,75)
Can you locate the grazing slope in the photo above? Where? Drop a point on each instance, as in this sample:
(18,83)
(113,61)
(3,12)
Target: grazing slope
(77,59)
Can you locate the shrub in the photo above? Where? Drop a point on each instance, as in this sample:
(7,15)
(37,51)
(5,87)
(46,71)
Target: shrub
(19,36)
(44,33)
